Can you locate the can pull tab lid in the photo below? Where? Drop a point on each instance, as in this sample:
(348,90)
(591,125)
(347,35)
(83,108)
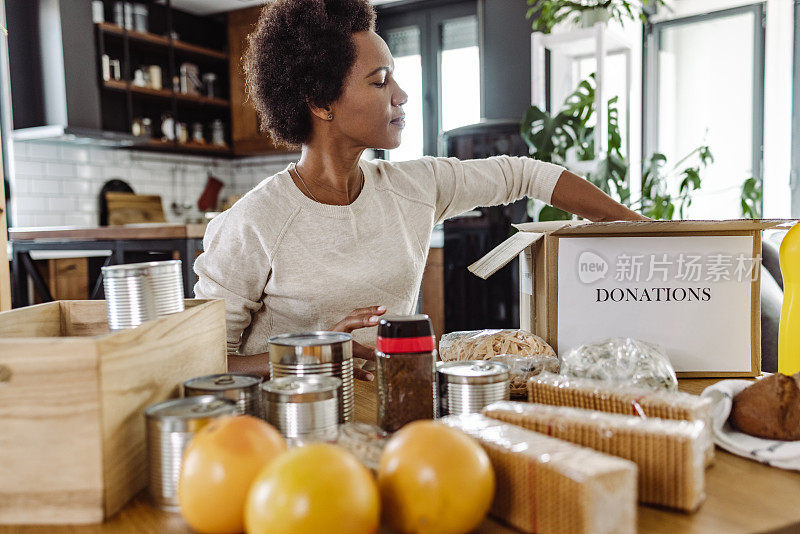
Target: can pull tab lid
(482,365)
(224,380)
(207,407)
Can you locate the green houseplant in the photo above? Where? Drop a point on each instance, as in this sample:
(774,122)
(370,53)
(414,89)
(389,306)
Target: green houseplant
(547,13)
(752,196)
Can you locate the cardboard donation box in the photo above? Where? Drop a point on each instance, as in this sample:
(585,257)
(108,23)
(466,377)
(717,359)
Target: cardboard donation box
(690,287)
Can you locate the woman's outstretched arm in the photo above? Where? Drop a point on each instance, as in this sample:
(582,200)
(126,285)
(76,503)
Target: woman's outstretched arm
(579,196)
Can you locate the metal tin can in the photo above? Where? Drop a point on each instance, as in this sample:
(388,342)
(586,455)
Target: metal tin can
(302,406)
(170,427)
(138,292)
(468,386)
(316,353)
(242,389)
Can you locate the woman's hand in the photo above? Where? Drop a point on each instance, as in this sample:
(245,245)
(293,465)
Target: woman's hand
(361,318)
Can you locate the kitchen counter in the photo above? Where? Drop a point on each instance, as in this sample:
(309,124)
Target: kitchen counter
(743,496)
(108,233)
(183,240)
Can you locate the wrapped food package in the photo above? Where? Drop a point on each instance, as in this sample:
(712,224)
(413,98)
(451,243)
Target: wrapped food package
(365,442)
(591,394)
(547,485)
(523,368)
(670,455)
(623,361)
(525,354)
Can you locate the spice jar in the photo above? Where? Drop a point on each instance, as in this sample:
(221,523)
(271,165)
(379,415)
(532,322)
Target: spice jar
(405,357)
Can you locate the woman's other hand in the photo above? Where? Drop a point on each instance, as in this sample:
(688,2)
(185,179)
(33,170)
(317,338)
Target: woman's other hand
(361,318)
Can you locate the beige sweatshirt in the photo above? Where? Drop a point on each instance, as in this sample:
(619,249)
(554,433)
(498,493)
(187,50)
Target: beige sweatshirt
(284,263)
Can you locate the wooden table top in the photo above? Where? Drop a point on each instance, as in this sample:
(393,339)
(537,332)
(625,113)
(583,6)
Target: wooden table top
(109,233)
(743,496)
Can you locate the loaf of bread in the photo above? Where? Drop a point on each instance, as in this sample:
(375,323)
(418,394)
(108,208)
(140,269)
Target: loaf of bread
(770,408)
(669,454)
(545,484)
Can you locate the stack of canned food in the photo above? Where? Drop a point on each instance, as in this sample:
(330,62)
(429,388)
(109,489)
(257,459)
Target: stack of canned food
(310,397)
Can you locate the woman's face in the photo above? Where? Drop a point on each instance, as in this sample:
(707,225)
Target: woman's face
(370,110)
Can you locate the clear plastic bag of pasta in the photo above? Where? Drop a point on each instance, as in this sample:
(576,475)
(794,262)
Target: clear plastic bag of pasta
(525,354)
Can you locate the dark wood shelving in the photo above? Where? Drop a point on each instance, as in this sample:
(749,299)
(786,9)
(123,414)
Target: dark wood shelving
(186,148)
(161,41)
(122,103)
(122,85)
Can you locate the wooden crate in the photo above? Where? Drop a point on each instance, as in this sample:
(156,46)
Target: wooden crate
(72,397)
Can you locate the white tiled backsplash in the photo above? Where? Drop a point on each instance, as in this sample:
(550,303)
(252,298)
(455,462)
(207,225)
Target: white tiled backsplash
(56,184)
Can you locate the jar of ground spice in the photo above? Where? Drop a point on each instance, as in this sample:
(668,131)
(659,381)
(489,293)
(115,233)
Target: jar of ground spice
(405,360)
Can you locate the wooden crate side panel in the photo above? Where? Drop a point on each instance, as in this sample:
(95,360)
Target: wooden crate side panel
(90,317)
(41,320)
(144,366)
(85,318)
(50,450)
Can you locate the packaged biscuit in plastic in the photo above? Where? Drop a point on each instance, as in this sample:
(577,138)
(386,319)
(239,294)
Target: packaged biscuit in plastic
(549,485)
(670,455)
(591,394)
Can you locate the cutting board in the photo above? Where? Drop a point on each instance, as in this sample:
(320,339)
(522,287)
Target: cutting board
(127,208)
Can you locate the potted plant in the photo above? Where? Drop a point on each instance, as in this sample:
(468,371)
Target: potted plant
(547,13)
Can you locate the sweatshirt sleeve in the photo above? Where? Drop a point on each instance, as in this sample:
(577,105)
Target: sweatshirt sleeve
(465,185)
(234,266)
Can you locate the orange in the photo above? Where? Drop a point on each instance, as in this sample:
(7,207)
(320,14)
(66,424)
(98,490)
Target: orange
(434,479)
(219,466)
(315,489)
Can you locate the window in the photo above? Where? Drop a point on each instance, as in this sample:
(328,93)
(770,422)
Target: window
(704,84)
(460,94)
(404,44)
(616,85)
(437,62)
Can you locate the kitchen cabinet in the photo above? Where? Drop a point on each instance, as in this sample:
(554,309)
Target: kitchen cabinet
(247,138)
(67,278)
(433,290)
(102,83)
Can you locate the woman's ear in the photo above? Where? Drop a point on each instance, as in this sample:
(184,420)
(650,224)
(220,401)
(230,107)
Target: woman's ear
(322,113)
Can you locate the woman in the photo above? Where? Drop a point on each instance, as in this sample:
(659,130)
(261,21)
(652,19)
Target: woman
(334,233)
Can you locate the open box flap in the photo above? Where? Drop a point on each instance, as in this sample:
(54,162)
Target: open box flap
(630,227)
(503,253)
(548,226)
(530,233)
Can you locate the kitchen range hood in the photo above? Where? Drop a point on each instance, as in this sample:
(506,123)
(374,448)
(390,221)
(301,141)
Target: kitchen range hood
(53,67)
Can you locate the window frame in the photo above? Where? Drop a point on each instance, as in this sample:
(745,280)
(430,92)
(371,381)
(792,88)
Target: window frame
(651,44)
(795,169)
(429,20)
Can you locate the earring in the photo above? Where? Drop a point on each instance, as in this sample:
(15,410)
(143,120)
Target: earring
(330,116)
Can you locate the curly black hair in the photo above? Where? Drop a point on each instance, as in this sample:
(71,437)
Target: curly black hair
(300,53)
